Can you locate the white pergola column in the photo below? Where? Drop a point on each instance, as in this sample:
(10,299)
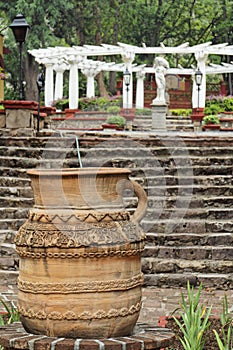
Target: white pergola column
(74,81)
(90,74)
(59,69)
(140,75)
(201,58)
(49,84)
(128,58)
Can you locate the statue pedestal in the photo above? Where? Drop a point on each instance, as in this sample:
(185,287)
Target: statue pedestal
(159,112)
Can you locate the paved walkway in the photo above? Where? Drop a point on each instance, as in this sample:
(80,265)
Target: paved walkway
(157,302)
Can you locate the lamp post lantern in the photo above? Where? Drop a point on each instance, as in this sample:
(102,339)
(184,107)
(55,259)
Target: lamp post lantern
(198,80)
(127,77)
(20,29)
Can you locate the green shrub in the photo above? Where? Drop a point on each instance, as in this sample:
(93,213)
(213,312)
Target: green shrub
(143,111)
(213,109)
(98,103)
(114,109)
(181,112)
(116,119)
(61,104)
(211,119)
(228,104)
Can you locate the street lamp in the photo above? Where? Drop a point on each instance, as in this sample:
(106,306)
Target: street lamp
(40,85)
(127,77)
(198,80)
(20,29)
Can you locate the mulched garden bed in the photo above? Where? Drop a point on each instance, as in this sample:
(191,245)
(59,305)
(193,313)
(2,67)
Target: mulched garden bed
(210,340)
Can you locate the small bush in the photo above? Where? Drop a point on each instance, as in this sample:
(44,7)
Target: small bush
(228,104)
(116,119)
(181,112)
(143,111)
(114,109)
(213,109)
(61,104)
(211,119)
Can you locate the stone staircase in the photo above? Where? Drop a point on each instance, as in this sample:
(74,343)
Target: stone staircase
(173,123)
(188,179)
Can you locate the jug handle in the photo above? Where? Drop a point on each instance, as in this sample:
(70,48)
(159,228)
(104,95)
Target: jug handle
(142,202)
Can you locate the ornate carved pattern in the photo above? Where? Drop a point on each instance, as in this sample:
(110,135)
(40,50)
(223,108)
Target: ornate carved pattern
(83,216)
(71,255)
(80,287)
(86,315)
(34,234)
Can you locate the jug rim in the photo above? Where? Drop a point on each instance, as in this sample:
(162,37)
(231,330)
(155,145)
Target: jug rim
(77,171)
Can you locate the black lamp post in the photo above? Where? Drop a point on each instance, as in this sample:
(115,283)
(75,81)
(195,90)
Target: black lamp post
(40,85)
(127,77)
(20,29)
(198,80)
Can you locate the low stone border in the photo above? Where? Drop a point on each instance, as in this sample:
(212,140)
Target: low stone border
(145,337)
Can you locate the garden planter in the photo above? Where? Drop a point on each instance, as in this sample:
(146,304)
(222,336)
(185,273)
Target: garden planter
(80,254)
(112,126)
(211,127)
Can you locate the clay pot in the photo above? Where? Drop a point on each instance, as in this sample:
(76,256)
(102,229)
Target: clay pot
(80,254)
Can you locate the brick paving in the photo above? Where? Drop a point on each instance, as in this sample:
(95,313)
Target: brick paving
(157,302)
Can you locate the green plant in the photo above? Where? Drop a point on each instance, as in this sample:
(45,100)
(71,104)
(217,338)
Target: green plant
(211,119)
(12,314)
(114,109)
(228,104)
(116,119)
(213,109)
(143,111)
(61,104)
(225,339)
(194,320)
(181,112)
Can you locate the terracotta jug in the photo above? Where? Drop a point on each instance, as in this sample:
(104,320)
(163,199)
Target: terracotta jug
(80,254)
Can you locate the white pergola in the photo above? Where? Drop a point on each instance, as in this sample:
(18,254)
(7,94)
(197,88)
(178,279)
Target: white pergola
(75,59)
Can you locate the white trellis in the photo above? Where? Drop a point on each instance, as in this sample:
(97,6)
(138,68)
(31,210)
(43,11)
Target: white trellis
(75,59)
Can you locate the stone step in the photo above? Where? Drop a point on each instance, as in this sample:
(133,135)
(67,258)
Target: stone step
(157,168)
(185,225)
(8,277)
(16,191)
(188,201)
(19,202)
(7,237)
(169,180)
(13,172)
(200,190)
(220,213)
(130,148)
(11,224)
(208,280)
(186,239)
(13,213)
(170,265)
(29,163)
(14,181)
(174,180)
(189,252)
(38,153)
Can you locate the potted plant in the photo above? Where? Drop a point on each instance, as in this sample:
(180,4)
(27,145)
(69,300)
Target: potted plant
(115,122)
(211,122)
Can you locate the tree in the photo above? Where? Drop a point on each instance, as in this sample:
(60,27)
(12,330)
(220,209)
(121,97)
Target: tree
(80,22)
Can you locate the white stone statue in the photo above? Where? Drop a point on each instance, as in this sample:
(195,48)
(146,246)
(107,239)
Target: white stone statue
(160,65)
